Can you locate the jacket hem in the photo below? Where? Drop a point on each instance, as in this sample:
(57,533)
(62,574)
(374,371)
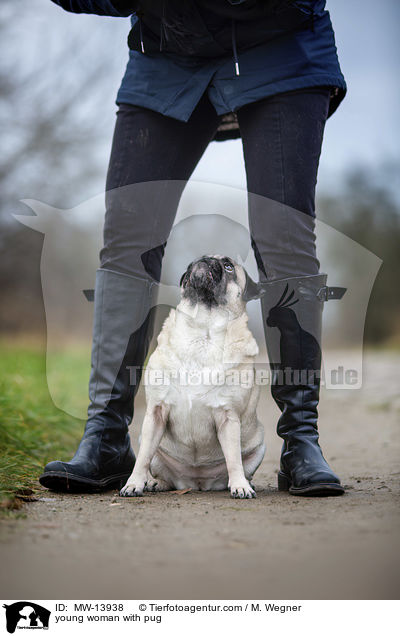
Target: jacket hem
(270,90)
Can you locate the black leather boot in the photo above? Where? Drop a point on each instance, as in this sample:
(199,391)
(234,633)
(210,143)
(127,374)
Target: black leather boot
(292,317)
(122,329)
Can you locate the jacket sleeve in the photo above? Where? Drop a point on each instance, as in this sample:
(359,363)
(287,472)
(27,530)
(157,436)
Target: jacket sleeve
(117,8)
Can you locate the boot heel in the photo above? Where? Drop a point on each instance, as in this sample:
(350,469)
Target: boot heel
(283,482)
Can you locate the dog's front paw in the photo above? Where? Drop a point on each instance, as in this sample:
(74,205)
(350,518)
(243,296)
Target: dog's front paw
(133,488)
(242,490)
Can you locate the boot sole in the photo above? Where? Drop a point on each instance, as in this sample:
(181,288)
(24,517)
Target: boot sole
(68,482)
(313,490)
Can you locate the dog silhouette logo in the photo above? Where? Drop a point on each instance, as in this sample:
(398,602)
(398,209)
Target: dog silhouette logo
(26,615)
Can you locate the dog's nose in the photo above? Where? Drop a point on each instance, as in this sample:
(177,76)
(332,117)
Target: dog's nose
(201,271)
(207,271)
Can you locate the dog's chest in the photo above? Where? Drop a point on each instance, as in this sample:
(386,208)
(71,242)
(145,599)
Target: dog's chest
(199,350)
(194,363)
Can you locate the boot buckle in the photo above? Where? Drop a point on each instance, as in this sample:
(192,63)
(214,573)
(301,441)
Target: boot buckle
(331,293)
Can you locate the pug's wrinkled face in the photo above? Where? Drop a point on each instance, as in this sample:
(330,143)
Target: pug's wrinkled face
(217,281)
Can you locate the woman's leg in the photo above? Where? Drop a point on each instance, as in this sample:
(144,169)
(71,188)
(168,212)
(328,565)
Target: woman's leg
(152,157)
(282,138)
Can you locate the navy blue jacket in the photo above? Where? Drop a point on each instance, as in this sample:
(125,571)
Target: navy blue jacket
(239,51)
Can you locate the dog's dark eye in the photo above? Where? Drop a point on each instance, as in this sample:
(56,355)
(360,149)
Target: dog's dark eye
(228,267)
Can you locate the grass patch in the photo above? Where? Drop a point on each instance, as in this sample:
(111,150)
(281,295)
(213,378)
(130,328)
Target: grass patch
(32,430)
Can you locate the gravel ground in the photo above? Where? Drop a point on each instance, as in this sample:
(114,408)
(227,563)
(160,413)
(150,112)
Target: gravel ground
(206,545)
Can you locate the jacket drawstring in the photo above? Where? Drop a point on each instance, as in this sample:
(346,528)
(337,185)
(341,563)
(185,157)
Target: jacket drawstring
(234,48)
(141,35)
(139,13)
(162,26)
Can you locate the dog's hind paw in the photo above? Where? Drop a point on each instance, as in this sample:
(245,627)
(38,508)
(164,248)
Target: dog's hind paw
(132,490)
(243,492)
(156,485)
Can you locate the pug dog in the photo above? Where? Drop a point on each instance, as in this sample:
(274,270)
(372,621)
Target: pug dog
(200,430)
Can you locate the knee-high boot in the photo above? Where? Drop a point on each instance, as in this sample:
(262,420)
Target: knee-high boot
(292,317)
(122,329)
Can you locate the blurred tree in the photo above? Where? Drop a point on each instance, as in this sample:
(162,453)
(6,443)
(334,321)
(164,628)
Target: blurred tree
(367,210)
(56,122)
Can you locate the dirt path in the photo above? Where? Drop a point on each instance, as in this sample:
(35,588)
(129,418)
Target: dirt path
(202,545)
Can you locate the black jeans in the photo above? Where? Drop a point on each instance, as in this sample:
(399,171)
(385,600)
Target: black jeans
(282,137)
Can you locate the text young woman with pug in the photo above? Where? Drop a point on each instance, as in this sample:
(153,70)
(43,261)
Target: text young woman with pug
(203,70)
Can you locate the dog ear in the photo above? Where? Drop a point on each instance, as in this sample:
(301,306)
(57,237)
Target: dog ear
(252,290)
(182,279)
